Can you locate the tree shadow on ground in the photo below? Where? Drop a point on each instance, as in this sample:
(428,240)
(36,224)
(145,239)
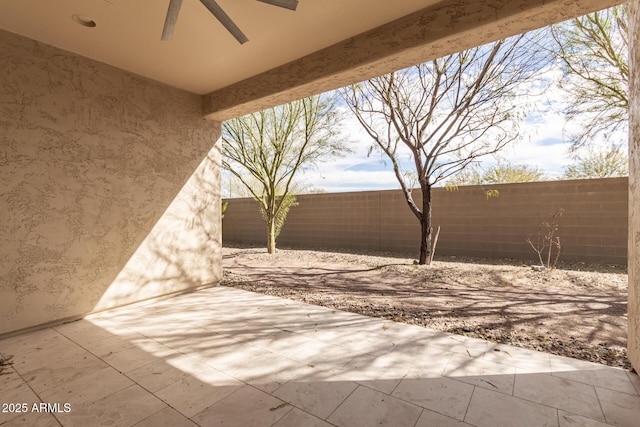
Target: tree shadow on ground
(547,317)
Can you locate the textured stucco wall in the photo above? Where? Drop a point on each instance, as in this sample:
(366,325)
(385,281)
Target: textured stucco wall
(100,205)
(633,345)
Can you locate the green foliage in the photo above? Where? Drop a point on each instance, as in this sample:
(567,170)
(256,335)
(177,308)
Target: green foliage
(491,193)
(470,176)
(502,173)
(593,50)
(599,163)
(279,217)
(265,150)
(451,187)
(224,208)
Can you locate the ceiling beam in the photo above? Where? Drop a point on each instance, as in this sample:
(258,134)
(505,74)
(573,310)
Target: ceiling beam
(447,27)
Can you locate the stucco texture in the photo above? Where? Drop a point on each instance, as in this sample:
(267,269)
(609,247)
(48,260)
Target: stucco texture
(100,205)
(633,345)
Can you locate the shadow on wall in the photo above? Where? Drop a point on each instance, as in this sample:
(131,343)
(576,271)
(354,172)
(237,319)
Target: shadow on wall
(183,249)
(121,259)
(100,203)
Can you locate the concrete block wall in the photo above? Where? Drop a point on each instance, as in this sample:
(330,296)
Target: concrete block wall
(592,229)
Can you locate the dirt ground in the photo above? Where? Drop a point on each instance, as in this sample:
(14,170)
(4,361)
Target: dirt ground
(576,310)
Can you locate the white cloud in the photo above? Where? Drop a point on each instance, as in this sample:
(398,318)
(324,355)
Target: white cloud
(535,149)
(544,144)
(335,180)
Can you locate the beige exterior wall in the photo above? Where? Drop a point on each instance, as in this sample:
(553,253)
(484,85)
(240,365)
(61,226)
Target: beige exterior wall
(100,205)
(593,227)
(633,345)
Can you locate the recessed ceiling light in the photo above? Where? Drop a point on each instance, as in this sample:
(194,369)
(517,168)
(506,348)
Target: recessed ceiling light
(85,21)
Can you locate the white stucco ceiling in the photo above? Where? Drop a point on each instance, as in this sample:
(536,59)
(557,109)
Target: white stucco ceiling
(202,56)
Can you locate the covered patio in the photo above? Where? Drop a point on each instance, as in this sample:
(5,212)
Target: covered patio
(110,235)
(223,356)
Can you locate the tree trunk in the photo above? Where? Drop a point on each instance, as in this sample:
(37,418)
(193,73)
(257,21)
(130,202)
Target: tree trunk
(271,236)
(425,226)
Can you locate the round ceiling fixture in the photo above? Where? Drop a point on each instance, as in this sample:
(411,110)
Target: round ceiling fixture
(85,21)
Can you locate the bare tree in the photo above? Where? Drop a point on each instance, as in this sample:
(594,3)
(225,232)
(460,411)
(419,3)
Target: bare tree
(437,118)
(593,50)
(547,241)
(265,150)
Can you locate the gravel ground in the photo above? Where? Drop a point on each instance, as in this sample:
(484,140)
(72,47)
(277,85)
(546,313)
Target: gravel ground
(576,310)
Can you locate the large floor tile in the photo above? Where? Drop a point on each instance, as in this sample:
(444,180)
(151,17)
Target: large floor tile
(317,398)
(88,388)
(524,360)
(238,358)
(257,366)
(84,332)
(635,381)
(481,373)
(492,409)
(378,373)
(34,419)
(601,376)
(245,407)
(442,395)
(298,418)
(124,408)
(325,356)
(570,396)
(108,346)
(13,390)
(193,394)
(459,344)
(49,353)
(125,356)
(168,417)
(157,375)
(572,420)
(620,409)
(63,372)
(366,407)
(32,341)
(424,360)
(433,419)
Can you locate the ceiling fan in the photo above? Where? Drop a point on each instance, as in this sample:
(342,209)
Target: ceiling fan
(220,15)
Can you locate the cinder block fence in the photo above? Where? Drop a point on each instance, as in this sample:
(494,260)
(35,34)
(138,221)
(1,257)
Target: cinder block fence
(592,229)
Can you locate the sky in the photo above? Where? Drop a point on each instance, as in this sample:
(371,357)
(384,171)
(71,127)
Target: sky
(543,144)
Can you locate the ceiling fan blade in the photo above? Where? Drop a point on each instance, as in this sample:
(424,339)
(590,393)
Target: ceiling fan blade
(224,19)
(287,4)
(170,20)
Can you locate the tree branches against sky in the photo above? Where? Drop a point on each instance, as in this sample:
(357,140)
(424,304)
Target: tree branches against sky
(447,113)
(265,150)
(593,51)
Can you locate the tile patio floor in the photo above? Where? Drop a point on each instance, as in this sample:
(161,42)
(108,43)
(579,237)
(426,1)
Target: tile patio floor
(223,356)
